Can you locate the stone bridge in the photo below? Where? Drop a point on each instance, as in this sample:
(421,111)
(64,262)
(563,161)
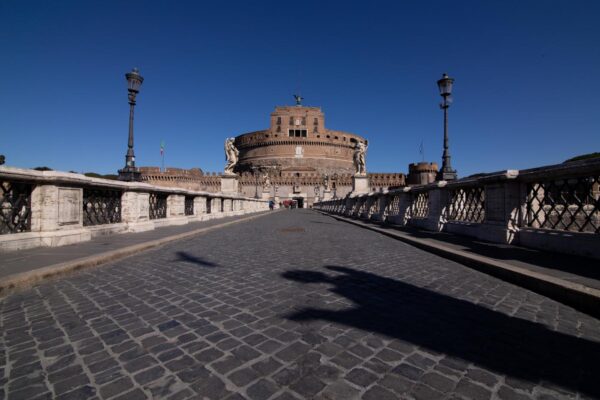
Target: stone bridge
(291,305)
(288,304)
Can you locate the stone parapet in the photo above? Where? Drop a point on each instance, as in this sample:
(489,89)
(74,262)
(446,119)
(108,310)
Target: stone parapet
(554,208)
(52,208)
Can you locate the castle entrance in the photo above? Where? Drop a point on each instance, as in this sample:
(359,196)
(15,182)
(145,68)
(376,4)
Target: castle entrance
(299,201)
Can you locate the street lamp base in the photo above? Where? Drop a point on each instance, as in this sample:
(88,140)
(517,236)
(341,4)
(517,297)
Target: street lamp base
(130,174)
(447,175)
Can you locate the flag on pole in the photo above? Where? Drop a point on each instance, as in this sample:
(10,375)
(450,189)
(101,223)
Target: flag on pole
(422,151)
(162,154)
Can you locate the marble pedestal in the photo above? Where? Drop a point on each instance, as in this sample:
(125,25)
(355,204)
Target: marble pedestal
(229,184)
(360,184)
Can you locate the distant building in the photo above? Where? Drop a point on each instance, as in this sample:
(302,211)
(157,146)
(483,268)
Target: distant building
(297,141)
(421,173)
(298,154)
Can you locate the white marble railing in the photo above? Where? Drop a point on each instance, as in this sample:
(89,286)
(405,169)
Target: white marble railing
(51,208)
(555,207)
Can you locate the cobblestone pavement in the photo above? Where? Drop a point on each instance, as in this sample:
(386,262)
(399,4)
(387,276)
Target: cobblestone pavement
(294,305)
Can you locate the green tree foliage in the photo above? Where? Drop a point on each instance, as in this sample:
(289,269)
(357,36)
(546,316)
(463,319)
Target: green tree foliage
(584,157)
(96,175)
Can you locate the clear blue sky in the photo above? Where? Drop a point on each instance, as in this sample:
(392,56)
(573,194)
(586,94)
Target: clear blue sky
(526,92)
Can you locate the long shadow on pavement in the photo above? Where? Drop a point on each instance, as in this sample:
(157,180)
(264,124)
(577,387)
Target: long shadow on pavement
(507,345)
(187,257)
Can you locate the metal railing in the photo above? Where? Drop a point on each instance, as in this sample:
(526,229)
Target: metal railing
(158,205)
(188,206)
(101,206)
(568,204)
(15,207)
(420,205)
(467,204)
(531,207)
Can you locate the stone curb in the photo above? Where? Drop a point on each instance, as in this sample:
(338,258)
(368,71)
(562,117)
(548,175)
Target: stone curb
(578,296)
(27,279)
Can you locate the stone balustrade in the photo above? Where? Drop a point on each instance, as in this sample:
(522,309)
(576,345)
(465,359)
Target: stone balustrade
(51,208)
(555,208)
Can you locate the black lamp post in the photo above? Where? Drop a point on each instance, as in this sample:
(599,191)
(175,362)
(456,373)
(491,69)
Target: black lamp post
(446,173)
(130,172)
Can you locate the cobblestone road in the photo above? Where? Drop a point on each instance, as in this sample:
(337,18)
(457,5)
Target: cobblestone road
(293,305)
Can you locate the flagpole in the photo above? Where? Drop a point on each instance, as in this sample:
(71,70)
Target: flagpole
(162,154)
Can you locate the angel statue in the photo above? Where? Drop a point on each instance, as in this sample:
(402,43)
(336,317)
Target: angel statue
(360,151)
(231,155)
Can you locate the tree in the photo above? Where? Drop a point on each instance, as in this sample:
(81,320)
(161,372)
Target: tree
(584,157)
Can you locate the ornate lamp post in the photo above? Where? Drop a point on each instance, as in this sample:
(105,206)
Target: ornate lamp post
(446,173)
(130,172)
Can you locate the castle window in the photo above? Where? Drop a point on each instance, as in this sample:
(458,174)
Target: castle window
(278,128)
(266,136)
(304,121)
(344,138)
(318,136)
(291,133)
(303,132)
(316,121)
(336,138)
(291,120)
(278,120)
(328,137)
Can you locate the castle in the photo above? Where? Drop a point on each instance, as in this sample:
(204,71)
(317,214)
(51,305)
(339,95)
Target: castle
(296,158)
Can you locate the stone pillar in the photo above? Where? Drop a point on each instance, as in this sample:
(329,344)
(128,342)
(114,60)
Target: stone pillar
(175,205)
(360,184)
(57,213)
(502,210)
(227,206)
(217,205)
(229,184)
(383,200)
(326,195)
(199,205)
(349,204)
(402,215)
(135,211)
(176,209)
(266,194)
(438,201)
(368,202)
